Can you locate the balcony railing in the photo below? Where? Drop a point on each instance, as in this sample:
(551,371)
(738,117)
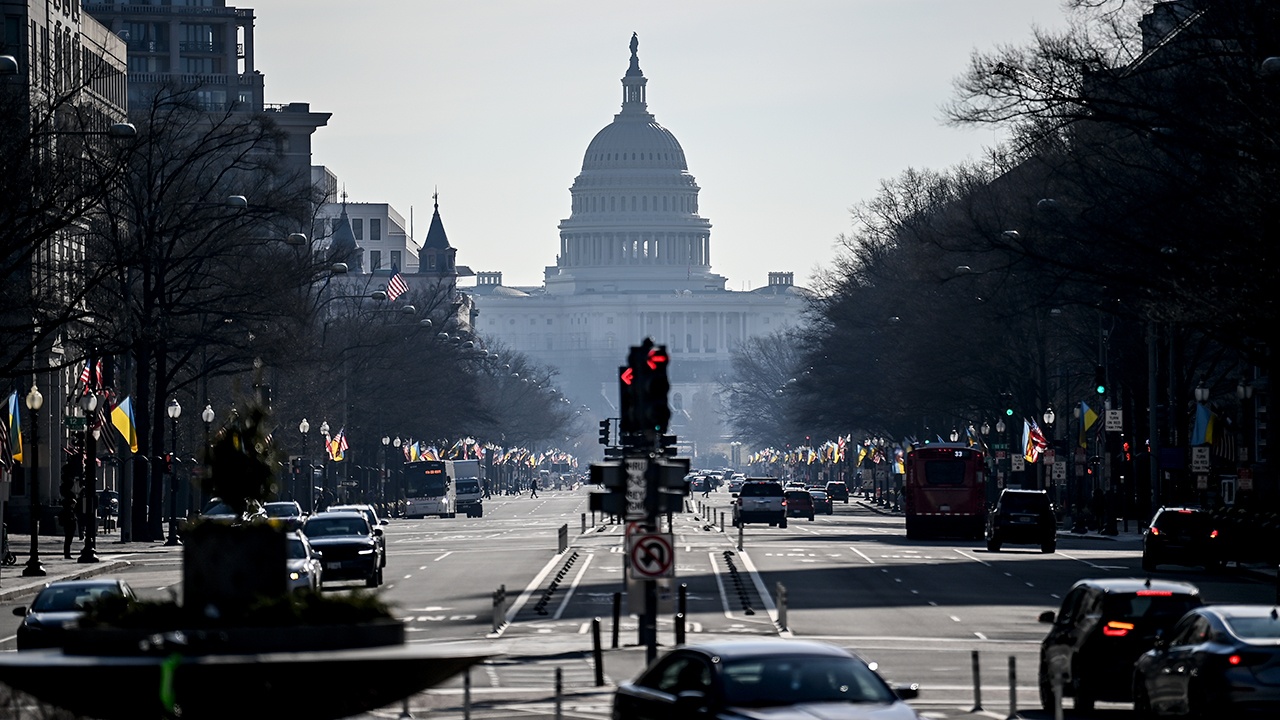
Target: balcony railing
(97,9)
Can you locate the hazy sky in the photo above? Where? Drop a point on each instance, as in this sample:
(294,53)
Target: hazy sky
(789,113)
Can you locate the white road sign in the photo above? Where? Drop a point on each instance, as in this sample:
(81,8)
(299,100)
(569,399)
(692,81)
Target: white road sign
(636,488)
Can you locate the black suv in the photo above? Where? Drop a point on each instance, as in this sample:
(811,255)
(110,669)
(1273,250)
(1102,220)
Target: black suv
(1181,536)
(1023,517)
(1104,625)
(837,490)
(348,546)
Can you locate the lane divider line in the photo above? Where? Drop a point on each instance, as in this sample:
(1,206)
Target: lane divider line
(573,586)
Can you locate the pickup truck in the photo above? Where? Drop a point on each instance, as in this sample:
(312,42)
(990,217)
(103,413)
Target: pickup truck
(760,501)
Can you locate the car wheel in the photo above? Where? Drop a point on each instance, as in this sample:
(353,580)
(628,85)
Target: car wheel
(810,517)
(1148,562)
(993,545)
(372,580)
(1048,547)
(783,524)
(1046,689)
(1083,699)
(830,511)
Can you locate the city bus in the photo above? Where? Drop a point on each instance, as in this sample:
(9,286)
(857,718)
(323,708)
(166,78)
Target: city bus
(428,490)
(945,491)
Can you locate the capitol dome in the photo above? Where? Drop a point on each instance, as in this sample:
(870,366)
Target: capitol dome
(634,223)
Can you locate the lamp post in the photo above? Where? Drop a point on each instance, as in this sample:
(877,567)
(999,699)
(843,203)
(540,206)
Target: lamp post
(303,428)
(207,416)
(1046,472)
(175,411)
(382,475)
(89,402)
(955,435)
(399,485)
(35,401)
(324,433)
(1000,428)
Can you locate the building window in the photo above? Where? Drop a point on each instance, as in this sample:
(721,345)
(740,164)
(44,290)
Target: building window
(357,228)
(431,262)
(375,228)
(395,258)
(533,321)
(609,320)
(375,260)
(548,321)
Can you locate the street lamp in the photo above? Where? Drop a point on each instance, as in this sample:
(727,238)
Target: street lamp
(89,402)
(955,435)
(35,401)
(303,467)
(395,506)
(1202,392)
(175,411)
(324,433)
(382,475)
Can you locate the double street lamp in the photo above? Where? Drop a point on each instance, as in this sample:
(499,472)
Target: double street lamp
(304,427)
(175,411)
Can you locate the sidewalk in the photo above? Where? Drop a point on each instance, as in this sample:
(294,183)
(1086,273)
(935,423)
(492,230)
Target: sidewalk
(112,555)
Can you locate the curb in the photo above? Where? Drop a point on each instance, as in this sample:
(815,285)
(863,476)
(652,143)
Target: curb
(31,585)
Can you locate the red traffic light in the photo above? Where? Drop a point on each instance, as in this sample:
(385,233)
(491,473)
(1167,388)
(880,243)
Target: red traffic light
(628,374)
(656,358)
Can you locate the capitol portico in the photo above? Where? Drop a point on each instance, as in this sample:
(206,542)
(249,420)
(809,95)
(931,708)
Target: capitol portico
(634,262)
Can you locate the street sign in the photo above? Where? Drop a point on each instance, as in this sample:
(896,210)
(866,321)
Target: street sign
(1017,462)
(1200,461)
(636,488)
(1059,470)
(74,423)
(1244,479)
(1114,421)
(652,556)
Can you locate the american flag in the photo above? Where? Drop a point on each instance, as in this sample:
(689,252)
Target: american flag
(84,374)
(6,450)
(396,285)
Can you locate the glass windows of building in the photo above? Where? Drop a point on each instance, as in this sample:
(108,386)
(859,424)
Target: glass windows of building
(395,258)
(375,260)
(375,228)
(357,228)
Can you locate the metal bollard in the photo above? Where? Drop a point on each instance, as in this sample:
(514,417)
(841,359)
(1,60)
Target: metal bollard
(499,607)
(1013,688)
(721,522)
(740,525)
(679,624)
(782,605)
(597,654)
(977,685)
(617,616)
(559,694)
(466,695)
(584,524)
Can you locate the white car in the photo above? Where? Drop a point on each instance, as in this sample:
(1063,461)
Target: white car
(304,566)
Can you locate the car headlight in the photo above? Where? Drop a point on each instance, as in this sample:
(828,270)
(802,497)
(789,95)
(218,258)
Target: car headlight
(366,551)
(295,575)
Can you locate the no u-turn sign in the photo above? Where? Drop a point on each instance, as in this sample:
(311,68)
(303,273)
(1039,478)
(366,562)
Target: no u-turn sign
(652,556)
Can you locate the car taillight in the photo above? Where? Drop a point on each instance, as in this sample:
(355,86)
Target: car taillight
(1155,531)
(1233,660)
(1116,628)
(1213,534)
(784,502)
(1155,593)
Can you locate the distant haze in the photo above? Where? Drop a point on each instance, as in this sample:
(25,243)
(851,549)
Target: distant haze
(789,112)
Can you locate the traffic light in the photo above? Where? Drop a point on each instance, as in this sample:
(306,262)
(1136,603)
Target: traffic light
(604,432)
(654,387)
(1100,379)
(168,463)
(629,419)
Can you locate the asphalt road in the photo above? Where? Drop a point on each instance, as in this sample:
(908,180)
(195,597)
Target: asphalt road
(918,609)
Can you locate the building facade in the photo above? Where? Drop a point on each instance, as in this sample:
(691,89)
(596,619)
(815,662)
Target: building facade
(635,262)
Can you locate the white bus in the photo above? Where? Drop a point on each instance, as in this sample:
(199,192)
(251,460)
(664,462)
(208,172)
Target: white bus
(428,490)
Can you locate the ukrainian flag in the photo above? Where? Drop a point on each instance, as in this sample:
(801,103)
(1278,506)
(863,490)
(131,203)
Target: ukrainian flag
(122,420)
(15,427)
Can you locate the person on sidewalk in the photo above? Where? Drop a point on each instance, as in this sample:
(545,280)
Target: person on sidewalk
(533,488)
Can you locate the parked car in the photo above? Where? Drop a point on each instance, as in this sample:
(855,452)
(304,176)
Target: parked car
(304,565)
(821,501)
(1180,536)
(799,504)
(287,512)
(216,509)
(1102,629)
(1218,661)
(735,485)
(760,501)
(838,491)
(59,606)
(1022,517)
(771,677)
(371,514)
(348,548)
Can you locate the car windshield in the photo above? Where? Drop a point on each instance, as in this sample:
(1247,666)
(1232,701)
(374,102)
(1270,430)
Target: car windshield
(1181,520)
(818,494)
(468,487)
(282,510)
(761,490)
(1163,609)
(323,527)
(1023,502)
(297,551)
(760,682)
(1266,627)
(70,599)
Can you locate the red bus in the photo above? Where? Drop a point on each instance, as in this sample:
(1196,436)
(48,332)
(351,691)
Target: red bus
(945,491)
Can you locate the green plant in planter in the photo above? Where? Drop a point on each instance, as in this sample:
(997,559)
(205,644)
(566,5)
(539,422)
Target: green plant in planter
(243,459)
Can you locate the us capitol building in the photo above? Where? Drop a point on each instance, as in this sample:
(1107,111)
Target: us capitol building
(635,262)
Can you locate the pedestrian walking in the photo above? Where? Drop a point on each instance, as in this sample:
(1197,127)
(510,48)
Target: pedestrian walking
(533,488)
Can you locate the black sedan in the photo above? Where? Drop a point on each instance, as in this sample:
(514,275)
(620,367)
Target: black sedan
(1218,661)
(59,606)
(780,679)
(348,547)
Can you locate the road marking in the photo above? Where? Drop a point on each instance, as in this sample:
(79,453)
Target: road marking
(955,619)
(967,556)
(1086,562)
(863,555)
(765,597)
(573,586)
(443,556)
(980,636)
(406,577)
